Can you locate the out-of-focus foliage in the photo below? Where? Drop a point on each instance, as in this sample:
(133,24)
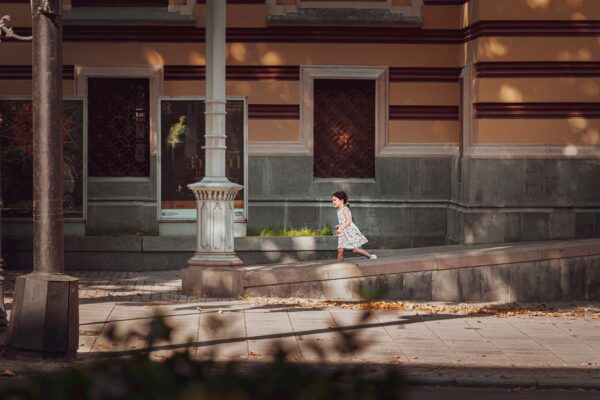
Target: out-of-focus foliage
(182,377)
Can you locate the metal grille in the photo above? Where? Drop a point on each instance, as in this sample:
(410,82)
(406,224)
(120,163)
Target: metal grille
(119,140)
(344,128)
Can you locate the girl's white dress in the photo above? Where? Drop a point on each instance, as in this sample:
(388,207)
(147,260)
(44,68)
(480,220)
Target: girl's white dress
(351,237)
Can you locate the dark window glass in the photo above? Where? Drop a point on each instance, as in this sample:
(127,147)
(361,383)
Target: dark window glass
(16,157)
(119,134)
(120,3)
(344,128)
(182,150)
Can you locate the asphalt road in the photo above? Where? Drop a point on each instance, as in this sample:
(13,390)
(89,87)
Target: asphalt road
(462,393)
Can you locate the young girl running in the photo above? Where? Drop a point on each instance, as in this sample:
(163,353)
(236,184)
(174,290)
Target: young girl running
(349,237)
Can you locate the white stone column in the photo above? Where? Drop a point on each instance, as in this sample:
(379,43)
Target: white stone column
(3,320)
(213,271)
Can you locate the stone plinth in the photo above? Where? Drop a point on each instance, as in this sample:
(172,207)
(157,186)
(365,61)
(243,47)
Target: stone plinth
(210,281)
(212,270)
(45,318)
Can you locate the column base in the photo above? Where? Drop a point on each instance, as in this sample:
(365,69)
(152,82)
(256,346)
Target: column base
(213,275)
(214,282)
(44,321)
(215,260)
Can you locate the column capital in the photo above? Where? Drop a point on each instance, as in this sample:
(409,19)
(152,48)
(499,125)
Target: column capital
(215,189)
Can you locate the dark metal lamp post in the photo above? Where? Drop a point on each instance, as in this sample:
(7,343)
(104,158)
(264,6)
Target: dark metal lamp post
(45,315)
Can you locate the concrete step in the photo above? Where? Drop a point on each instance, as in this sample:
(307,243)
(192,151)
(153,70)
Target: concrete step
(530,271)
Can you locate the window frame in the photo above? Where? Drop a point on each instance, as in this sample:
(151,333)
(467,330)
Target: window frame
(147,133)
(189,215)
(326,146)
(308,74)
(67,219)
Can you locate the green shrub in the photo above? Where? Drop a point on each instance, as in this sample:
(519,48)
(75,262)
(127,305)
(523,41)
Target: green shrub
(305,231)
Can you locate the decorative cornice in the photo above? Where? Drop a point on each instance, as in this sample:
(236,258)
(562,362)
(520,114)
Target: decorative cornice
(424,74)
(255,72)
(235,72)
(273,111)
(278,148)
(344,16)
(520,151)
(536,110)
(25,72)
(426,2)
(198,1)
(237,1)
(445,2)
(309,34)
(421,112)
(183,34)
(537,69)
(531,28)
(419,150)
(342,35)
(292,111)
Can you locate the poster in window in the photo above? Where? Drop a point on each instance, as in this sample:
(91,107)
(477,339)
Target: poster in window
(16,155)
(182,155)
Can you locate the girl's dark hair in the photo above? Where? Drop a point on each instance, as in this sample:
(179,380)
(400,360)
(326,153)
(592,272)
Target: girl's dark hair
(342,196)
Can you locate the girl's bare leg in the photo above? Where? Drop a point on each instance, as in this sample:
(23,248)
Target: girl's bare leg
(361,252)
(340,256)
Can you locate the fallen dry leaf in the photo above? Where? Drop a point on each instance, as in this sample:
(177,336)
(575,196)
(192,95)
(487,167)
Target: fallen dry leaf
(8,373)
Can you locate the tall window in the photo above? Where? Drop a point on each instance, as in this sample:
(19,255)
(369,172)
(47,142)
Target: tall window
(119,132)
(120,3)
(344,128)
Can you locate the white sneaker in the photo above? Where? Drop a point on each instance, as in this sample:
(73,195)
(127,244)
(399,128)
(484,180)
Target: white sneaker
(372,257)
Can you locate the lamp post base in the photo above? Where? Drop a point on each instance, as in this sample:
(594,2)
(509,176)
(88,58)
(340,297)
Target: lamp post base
(45,320)
(214,270)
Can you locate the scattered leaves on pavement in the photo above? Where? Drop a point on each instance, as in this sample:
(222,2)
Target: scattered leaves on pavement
(499,310)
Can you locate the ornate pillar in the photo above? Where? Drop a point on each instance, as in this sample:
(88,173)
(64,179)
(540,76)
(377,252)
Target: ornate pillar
(213,271)
(45,316)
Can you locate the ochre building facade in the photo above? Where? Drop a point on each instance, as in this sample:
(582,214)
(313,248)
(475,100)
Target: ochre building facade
(446,121)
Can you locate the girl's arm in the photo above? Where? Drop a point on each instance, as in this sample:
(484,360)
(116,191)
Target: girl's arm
(348,219)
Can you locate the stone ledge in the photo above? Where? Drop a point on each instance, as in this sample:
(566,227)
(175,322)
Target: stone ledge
(457,259)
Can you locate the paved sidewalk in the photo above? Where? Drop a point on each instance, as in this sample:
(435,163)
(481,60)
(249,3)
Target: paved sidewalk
(442,347)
